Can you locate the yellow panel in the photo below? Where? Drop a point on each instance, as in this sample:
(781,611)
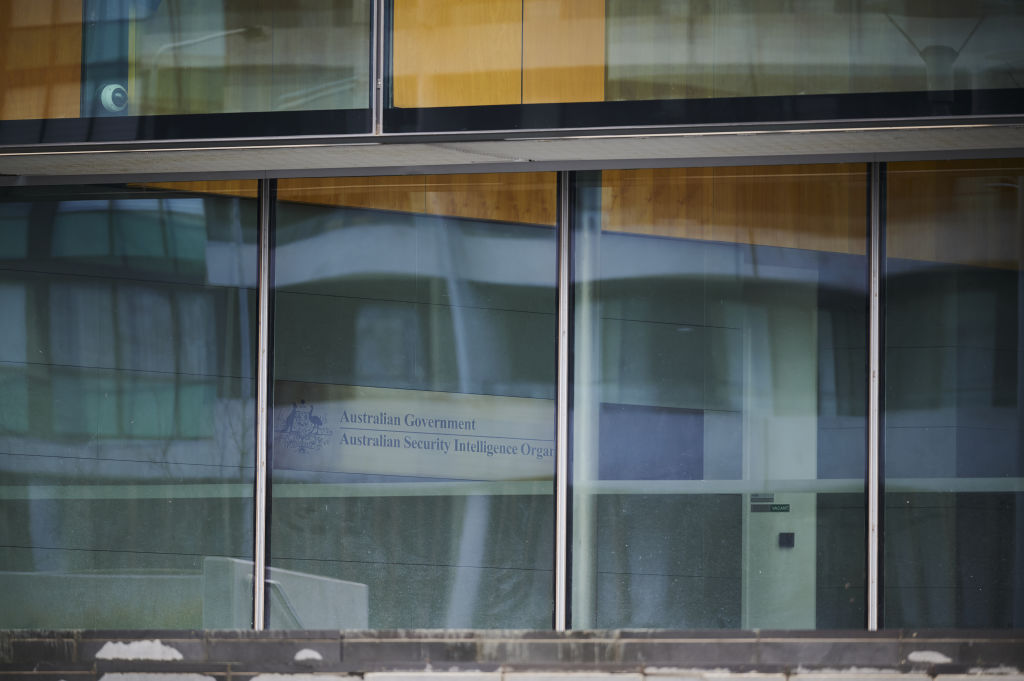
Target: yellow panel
(40,59)
(813,207)
(958,212)
(510,197)
(527,198)
(457,52)
(243,188)
(672,202)
(398,193)
(563,51)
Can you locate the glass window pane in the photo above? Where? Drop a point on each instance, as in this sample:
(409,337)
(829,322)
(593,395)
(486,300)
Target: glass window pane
(954,469)
(127,404)
(719,426)
(89,58)
(733,48)
(460,53)
(414,369)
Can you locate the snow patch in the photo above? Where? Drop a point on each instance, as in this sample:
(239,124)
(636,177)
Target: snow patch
(300,677)
(144,676)
(929,656)
(308,654)
(999,671)
(138,650)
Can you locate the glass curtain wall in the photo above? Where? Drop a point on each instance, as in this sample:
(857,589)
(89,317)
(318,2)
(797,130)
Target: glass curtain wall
(558,51)
(954,469)
(719,409)
(99,58)
(127,357)
(718,412)
(413,402)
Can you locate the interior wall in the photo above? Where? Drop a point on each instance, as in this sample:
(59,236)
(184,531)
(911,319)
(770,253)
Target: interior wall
(40,59)
(522,52)
(810,207)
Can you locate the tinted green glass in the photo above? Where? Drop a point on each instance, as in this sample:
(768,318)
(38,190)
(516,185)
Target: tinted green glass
(731,48)
(195,56)
(99,58)
(127,407)
(719,427)
(414,362)
(954,469)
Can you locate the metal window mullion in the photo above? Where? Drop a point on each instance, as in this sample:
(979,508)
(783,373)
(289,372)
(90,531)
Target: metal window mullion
(377,43)
(874,399)
(562,411)
(262,399)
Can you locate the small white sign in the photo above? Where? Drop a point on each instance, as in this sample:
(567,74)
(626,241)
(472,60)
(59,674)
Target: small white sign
(416,433)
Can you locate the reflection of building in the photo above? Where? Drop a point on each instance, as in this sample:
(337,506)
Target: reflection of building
(569,324)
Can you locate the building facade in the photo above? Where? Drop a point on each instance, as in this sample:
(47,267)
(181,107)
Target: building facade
(531,314)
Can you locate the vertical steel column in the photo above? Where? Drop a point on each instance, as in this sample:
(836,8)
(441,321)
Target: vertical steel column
(377,43)
(562,411)
(262,423)
(874,368)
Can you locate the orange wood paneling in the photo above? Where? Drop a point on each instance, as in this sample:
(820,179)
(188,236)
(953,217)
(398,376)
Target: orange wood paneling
(957,212)
(511,197)
(813,207)
(672,202)
(399,193)
(479,52)
(457,52)
(244,188)
(563,51)
(40,59)
(527,198)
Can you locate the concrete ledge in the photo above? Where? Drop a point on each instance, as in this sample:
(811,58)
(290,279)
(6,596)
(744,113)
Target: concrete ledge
(512,655)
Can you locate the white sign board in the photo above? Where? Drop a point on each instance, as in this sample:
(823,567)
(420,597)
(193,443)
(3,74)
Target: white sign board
(386,431)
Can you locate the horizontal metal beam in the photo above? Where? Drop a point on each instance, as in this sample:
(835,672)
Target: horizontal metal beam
(578,152)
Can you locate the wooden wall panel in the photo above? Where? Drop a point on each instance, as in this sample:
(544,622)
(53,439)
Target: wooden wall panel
(480,52)
(671,202)
(527,198)
(398,193)
(957,212)
(813,207)
(40,59)
(563,51)
(457,52)
(244,188)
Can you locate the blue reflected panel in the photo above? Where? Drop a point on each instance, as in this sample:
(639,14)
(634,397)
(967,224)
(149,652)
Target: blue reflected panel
(127,406)
(414,369)
(651,443)
(719,406)
(954,468)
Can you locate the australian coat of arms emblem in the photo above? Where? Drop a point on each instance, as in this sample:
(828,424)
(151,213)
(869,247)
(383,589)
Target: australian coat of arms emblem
(302,431)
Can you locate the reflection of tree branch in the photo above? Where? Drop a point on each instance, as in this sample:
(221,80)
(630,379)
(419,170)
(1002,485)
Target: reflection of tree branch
(904,33)
(247,31)
(1010,68)
(250,31)
(917,49)
(971,34)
